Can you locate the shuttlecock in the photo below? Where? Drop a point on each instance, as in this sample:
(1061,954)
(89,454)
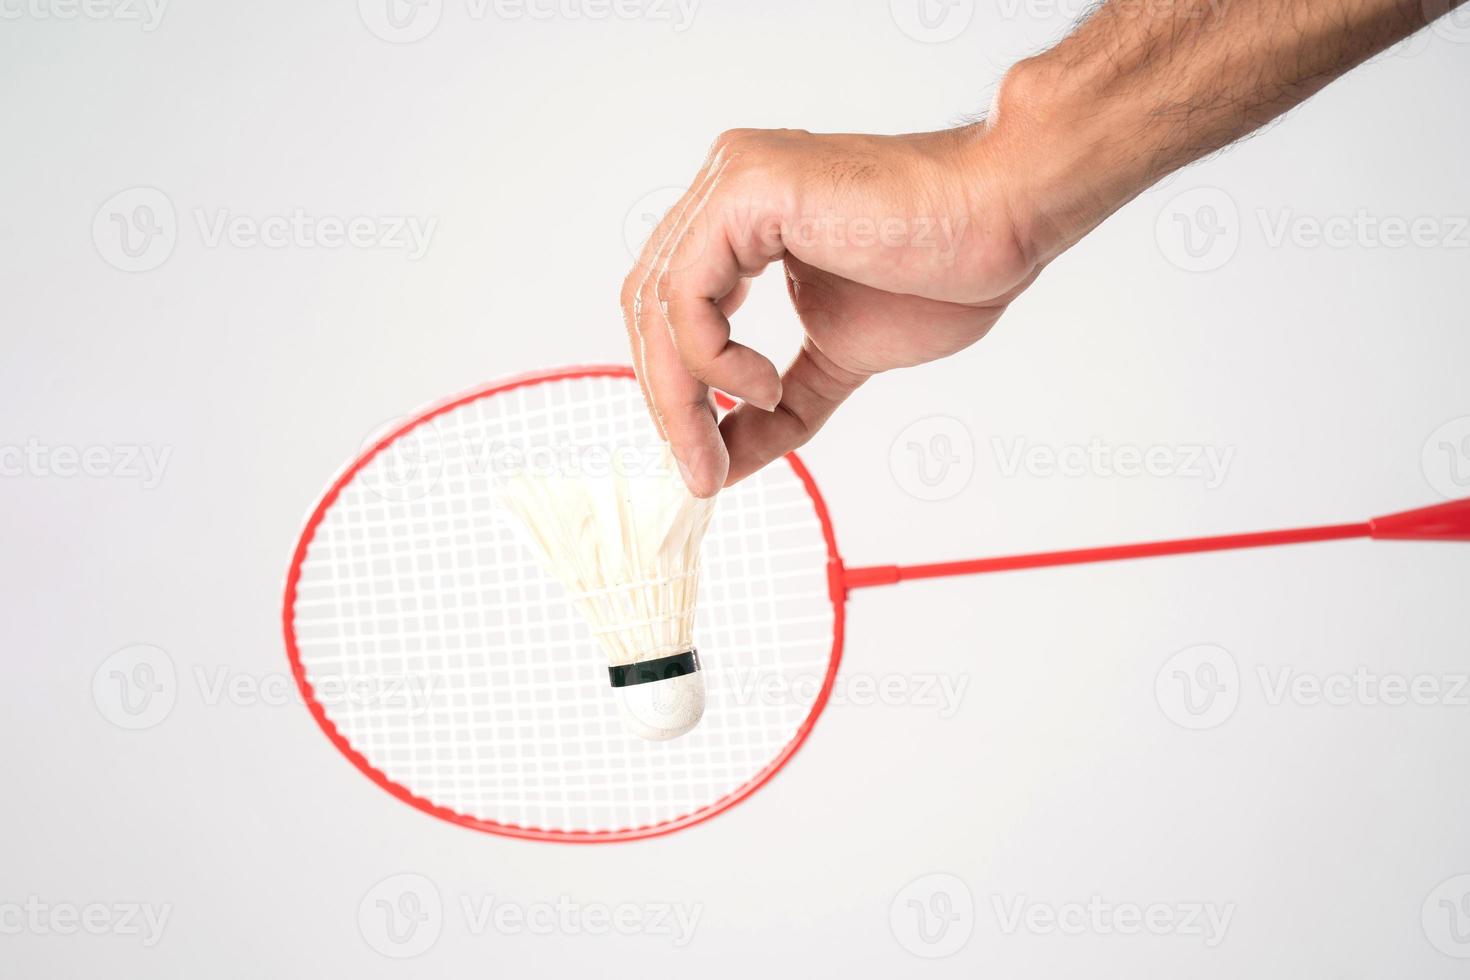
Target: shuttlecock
(624,543)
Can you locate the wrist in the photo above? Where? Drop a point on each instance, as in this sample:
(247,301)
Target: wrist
(1056,137)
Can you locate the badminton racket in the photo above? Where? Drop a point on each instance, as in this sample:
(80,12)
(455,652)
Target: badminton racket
(440,657)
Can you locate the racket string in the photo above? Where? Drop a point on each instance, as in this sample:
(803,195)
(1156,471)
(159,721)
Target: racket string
(512,722)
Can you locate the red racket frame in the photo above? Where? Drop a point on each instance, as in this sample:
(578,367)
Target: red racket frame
(1442,522)
(318,712)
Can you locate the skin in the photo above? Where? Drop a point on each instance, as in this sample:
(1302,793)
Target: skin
(899,250)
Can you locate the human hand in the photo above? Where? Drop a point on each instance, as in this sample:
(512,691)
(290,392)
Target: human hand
(903,249)
(897,250)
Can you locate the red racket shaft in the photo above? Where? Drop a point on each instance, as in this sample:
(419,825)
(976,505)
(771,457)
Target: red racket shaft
(1442,522)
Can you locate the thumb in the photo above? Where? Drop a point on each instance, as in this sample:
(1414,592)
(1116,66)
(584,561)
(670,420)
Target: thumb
(811,389)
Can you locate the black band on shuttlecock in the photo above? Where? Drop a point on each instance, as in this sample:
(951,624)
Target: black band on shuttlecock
(661,669)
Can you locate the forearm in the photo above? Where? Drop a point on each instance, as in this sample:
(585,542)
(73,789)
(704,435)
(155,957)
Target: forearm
(1144,87)
(1140,89)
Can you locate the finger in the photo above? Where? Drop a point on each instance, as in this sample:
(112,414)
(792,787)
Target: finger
(629,299)
(638,278)
(682,406)
(812,388)
(735,298)
(700,332)
(706,264)
(680,401)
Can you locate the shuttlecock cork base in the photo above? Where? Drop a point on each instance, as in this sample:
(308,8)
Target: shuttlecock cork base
(660,699)
(625,545)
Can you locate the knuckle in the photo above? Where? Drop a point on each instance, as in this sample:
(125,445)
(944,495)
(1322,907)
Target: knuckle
(703,354)
(803,427)
(733,141)
(665,288)
(629,292)
(730,137)
(702,364)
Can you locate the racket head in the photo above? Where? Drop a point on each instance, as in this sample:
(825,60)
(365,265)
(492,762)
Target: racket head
(438,761)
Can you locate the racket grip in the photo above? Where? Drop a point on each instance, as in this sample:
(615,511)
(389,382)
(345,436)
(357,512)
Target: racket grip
(1442,522)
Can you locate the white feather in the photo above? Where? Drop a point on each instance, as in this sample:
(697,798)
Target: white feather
(625,545)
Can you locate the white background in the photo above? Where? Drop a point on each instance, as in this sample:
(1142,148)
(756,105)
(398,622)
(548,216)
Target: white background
(1335,375)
